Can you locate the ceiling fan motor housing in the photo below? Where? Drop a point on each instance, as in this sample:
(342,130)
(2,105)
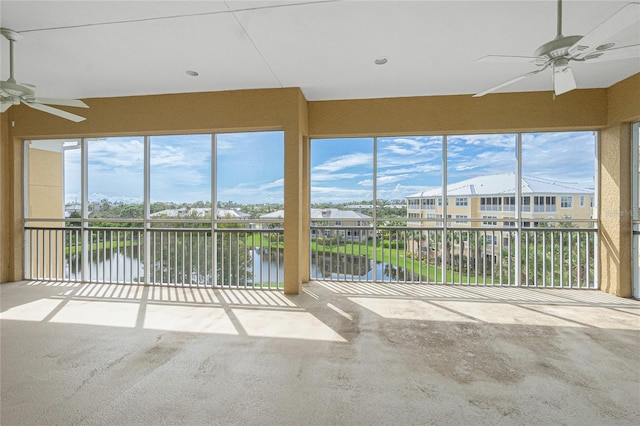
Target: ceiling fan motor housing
(557,47)
(15,90)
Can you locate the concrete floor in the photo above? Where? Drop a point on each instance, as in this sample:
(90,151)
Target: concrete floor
(337,354)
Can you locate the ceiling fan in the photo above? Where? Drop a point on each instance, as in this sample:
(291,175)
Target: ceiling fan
(13,93)
(559,52)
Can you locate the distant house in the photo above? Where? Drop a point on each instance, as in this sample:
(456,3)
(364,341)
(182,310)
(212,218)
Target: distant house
(72,208)
(334,218)
(200,212)
(231,214)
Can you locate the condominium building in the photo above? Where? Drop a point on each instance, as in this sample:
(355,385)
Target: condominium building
(488,203)
(331,218)
(492,199)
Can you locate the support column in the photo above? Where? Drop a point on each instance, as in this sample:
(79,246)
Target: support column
(615,236)
(305,250)
(6,213)
(293,212)
(11,210)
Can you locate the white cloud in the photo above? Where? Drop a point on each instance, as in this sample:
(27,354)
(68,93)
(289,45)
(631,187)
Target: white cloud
(466,167)
(346,161)
(507,141)
(114,154)
(275,184)
(322,177)
(384,180)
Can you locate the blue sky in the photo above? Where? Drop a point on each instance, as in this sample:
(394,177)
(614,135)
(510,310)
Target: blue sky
(342,169)
(250,166)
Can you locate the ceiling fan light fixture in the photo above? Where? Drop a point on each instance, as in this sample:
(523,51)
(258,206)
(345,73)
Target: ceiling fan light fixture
(381,61)
(192,73)
(563,79)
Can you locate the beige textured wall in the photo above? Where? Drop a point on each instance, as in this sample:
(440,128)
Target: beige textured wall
(624,101)
(535,111)
(45,200)
(615,210)
(45,197)
(615,188)
(6,206)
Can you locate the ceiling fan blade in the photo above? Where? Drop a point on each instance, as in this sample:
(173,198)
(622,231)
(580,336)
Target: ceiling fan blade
(625,52)
(508,59)
(563,79)
(622,19)
(4,105)
(62,102)
(500,86)
(55,111)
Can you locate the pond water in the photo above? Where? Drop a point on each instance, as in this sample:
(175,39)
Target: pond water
(125,266)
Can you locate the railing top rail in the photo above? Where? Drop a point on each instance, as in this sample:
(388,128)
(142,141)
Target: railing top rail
(151,220)
(152,230)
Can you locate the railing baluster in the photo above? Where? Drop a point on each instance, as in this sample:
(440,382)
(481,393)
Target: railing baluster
(579,271)
(561,255)
(570,260)
(587,265)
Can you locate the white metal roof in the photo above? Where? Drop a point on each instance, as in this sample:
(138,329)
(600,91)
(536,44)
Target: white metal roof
(505,183)
(318,214)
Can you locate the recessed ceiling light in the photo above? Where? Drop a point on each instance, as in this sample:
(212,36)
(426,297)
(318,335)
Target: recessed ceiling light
(192,73)
(381,61)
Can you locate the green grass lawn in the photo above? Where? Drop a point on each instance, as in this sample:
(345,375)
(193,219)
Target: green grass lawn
(390,256)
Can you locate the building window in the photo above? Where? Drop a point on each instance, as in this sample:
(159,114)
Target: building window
(490,222)
(526,204)
(492,240)
(492,204)
(544,204)
(510,204)
(429,203)
(566,202)
(582,201)
(461,222)
(462,202)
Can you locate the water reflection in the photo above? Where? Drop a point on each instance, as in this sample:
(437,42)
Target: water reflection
(345,267)
(263,266)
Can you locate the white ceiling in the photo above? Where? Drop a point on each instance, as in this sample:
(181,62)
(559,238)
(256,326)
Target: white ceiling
(86,49)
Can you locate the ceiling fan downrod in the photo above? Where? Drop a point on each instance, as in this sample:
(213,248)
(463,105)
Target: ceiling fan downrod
(12,36)
(559,25)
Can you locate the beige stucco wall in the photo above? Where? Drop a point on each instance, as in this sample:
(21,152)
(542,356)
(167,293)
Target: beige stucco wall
(45,200)
(607,109)
(45,186)
(6,205)
(534,111)
(616,274)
